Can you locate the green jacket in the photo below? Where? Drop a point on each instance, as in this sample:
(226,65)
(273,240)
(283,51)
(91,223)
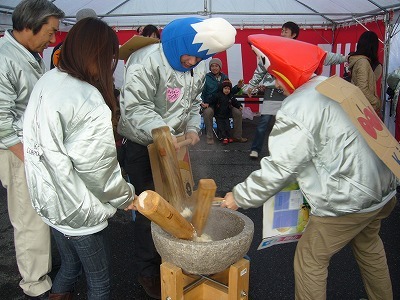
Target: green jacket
(211,87)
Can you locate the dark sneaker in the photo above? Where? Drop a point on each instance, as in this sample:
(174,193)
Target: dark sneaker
(152,285)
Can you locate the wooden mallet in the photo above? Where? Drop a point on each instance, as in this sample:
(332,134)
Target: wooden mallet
(159,211)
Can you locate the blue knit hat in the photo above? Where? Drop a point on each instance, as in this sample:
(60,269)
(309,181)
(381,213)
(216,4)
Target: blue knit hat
(196,37)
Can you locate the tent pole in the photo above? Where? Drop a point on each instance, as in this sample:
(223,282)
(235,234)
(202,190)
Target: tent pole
(334,27)
(386,49)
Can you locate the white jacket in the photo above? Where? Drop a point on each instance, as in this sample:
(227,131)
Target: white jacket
(73,175)
(155,95)
(315,142)
(20,70)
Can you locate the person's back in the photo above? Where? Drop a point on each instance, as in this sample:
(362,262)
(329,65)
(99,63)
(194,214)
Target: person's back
(361,64)
(66,125)
(348,187)
(70,115)
(345,181)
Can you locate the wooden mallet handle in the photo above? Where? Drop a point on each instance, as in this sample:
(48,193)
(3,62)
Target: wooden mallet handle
(185,143)
(158,210)
(205,196)
(173,188)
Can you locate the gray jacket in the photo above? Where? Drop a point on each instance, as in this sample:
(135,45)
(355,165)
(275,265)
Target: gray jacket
(19,72)
(315,142)
(73,175)
(155,95)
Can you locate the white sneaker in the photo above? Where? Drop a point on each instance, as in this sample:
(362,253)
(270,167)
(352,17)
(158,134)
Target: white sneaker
(254,154)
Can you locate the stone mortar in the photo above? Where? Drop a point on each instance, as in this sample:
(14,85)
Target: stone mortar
(231,233)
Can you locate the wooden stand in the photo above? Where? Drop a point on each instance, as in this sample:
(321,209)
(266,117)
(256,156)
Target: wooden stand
(230,284)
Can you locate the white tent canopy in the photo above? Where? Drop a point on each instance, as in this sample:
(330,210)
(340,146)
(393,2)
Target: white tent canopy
(249,13)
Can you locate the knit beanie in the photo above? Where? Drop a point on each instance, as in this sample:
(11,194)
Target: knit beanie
(85,13)
(195,37)
(277,53)
(226,82)
(215,61)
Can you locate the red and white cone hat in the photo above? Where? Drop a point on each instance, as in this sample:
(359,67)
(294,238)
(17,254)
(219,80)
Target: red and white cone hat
(291,61)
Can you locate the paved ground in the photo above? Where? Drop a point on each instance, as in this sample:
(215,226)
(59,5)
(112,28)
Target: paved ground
(271,270)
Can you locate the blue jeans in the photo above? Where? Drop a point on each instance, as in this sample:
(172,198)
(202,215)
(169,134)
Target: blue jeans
(259,137)
(89,253)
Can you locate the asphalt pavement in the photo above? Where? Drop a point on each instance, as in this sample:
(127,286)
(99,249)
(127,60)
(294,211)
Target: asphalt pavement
(271,269)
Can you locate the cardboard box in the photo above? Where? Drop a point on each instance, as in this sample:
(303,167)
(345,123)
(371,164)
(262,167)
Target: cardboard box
(365,119)
(134,43)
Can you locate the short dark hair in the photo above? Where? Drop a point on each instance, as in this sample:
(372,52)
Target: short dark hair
(294,28)
(33,14)
(148,30)
(90,53)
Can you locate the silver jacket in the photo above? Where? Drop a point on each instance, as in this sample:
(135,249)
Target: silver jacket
(315,142)
(73,175)
(155,95)
(334,58)
(19,70)
(260,77)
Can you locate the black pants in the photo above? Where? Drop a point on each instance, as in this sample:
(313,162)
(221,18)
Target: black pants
(137,165)
(223,127)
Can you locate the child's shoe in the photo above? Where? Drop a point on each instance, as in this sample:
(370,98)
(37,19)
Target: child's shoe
(225,141)
(230,140)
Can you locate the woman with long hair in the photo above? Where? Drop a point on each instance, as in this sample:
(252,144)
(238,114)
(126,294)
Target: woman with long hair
(74,179)
(365,68)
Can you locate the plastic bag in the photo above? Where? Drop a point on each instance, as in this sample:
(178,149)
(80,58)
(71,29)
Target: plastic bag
(247,113)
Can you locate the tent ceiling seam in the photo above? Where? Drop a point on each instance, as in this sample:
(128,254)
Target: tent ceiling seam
(322,15)
(377,5)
